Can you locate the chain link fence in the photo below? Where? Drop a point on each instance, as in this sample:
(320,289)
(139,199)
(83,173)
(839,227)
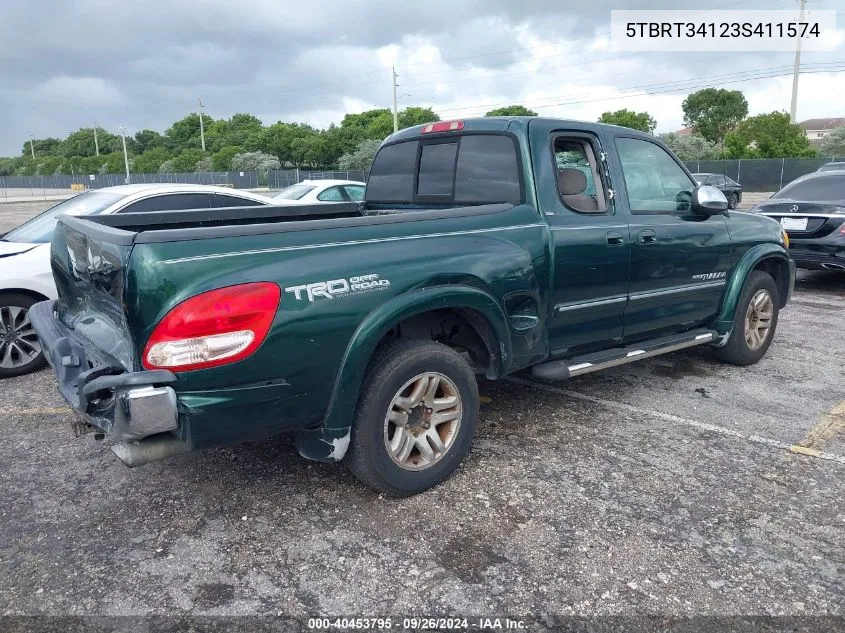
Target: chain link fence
(767,175)
(760,174)
(13,187)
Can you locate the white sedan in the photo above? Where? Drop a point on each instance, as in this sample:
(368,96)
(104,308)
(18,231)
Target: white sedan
(319,191)
(25,275)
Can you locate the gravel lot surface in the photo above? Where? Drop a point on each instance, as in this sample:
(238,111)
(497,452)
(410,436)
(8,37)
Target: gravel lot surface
(675,486)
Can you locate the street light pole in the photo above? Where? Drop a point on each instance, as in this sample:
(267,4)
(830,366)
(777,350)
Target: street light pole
(395,107)
(793,110)
(96,144)
(125,155)
(31,147)
(202,132)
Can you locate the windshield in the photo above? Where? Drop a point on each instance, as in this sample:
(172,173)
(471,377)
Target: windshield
(828,188)
(39,229)
(294,192)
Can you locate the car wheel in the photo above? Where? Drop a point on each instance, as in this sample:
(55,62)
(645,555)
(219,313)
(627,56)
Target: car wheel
(415,418)
(733,201)
(754,322)
(20,349)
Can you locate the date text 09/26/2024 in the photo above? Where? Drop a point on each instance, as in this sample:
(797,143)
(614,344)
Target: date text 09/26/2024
(417,623)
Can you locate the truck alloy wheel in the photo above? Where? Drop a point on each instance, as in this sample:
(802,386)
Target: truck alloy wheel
(415,418)
(423,421)
(758,319)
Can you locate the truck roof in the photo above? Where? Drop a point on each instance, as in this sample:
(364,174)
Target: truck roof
(507,123)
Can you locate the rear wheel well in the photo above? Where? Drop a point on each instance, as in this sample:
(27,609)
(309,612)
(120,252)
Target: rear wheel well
(778,270)
(466,331)
(23,291)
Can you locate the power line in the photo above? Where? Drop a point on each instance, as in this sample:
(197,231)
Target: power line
(652,92)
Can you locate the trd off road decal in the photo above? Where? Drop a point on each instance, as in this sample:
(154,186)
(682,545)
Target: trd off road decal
(706,276)
(336,288)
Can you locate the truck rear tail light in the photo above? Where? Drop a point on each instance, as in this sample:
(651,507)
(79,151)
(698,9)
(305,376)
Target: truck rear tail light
(443,126)
(213,328)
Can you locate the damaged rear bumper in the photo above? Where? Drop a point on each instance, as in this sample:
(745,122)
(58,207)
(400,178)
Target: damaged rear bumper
(138,409)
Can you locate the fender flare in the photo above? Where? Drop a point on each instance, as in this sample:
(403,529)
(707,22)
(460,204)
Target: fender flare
(723,323)
(330,440)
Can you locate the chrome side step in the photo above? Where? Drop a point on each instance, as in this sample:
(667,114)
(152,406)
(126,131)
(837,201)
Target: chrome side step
(576,366)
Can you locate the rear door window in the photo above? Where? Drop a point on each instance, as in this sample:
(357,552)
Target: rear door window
(169,202)
(332,194)
(355,192)
(223,200)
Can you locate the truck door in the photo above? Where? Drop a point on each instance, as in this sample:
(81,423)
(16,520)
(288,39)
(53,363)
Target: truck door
(679,260)
(589,238)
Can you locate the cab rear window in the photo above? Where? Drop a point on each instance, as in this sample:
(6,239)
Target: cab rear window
(466,169)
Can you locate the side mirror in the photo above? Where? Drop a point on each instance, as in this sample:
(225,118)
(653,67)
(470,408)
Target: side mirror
(707,200)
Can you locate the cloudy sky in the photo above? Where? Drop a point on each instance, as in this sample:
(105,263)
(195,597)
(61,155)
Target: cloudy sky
(67,63)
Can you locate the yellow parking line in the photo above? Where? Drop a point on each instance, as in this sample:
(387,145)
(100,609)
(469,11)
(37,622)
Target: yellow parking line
(831,423)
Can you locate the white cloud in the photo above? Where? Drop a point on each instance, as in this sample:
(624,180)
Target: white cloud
(74,92)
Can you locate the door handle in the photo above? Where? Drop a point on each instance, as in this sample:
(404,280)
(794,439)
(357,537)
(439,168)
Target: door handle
(615,238)
(648,236)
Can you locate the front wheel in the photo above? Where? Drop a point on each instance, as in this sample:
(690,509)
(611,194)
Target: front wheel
(733,201)
(20,349)
(415,418)
(754,322)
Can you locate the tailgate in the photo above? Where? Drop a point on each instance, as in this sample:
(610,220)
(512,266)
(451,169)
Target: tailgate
(89,264)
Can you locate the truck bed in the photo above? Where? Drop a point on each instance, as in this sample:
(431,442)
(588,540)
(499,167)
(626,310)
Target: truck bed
(169,226)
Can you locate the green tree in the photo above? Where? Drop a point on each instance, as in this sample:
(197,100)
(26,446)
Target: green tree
(713,112)
(834,143)
(222,160)
(49,165)
(43,147)
(81,143)
(185,133)
(628,118)
(254,161)
(689,146)
(112,163)
(362,157)
(770,135)
(411,116)
(150,161)
(145,140)
(512,110)
(187,160)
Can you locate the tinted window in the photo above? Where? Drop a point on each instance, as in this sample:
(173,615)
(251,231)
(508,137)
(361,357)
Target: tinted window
(437,169)
(223,200)
(355,192)
(170,202)
(332,194)
(826,189)
(39,229)
(294,192)
(717,181)
(655,182)
(392,174)
(487,170)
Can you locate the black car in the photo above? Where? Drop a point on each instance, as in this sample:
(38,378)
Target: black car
(811,209)
(731,188)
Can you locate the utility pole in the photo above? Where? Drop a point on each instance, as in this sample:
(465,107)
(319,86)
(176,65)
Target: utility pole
(202,132)
(797,69)
(395,107)
(125,155)
(31,147)
(96,144)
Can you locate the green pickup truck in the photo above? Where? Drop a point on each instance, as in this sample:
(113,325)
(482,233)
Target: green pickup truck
(483,247)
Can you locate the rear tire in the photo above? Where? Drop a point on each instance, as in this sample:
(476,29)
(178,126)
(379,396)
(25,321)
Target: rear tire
(755,321)
(733,201)
(415,418)
(20,349)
